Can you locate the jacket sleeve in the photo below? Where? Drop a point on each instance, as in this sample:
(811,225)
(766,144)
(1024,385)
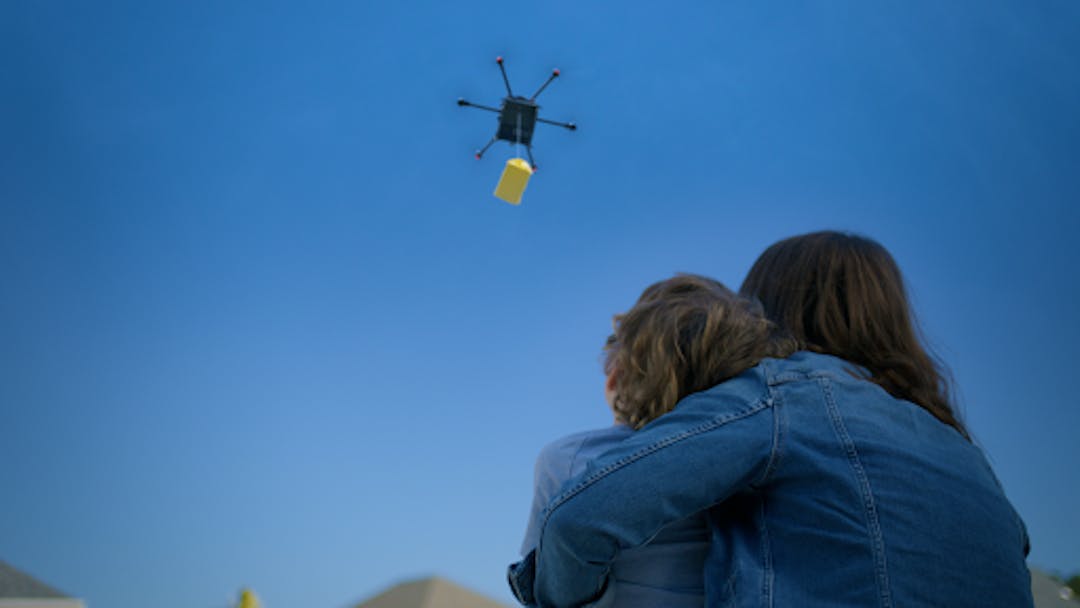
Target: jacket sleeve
(552,469)
(682,463)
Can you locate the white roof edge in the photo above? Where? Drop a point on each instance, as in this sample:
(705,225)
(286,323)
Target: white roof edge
(43,602)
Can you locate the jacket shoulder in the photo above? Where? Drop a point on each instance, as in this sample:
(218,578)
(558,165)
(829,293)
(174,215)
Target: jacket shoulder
(567,456)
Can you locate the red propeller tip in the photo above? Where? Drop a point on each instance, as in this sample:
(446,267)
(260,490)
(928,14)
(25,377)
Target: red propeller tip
(498,59)
(556,72)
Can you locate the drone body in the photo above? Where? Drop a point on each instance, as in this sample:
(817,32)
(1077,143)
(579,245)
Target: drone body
(517,116)
(517,120)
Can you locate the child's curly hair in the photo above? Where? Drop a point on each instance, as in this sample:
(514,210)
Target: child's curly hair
(684,335)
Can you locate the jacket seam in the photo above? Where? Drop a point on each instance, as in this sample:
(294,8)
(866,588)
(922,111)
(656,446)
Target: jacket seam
(776,402)
(766,557)
(869,508)
(574,458)
(786,377)
(767,581)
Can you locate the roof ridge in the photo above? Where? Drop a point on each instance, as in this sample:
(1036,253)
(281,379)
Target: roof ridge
(433,591)
(15,583)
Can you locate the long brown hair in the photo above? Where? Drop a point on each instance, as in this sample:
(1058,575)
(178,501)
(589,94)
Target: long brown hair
(843,295)
(684,335)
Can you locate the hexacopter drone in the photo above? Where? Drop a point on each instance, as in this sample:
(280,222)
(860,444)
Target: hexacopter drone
(517,116)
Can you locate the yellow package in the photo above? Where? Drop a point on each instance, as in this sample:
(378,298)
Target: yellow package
(513,181)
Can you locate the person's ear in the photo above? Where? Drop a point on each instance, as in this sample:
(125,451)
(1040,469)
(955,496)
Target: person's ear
(609,388)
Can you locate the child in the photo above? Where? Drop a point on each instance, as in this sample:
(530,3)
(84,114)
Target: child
(684,335)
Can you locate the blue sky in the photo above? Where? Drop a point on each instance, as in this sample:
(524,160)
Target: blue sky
(262,322)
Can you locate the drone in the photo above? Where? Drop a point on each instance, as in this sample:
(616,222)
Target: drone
(517,116)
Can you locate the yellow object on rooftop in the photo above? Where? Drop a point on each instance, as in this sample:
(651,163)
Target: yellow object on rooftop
(513,181)
(248,599)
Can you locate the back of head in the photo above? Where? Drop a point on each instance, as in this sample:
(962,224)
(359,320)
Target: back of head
(684,335)
(843,295)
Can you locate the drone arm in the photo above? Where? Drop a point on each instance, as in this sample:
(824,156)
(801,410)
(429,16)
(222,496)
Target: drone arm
(469,104)
(554,75)
(565,125)
(499,60)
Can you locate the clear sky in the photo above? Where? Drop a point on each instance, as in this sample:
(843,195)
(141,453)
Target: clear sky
(262,322)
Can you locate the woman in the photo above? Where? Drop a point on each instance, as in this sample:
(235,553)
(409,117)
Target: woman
(839,476)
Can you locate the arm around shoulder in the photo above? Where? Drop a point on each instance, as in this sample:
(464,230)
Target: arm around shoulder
(706,450)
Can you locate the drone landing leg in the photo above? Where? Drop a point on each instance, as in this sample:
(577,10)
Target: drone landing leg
(481,151)
(528,151)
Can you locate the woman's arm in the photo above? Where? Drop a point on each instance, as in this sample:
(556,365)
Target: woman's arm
(714,444)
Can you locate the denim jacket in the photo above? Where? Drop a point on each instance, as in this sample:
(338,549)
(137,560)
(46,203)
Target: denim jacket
(821,489)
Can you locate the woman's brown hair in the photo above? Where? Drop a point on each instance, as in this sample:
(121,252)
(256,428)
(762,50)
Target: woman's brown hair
(843,295)
(684,335)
